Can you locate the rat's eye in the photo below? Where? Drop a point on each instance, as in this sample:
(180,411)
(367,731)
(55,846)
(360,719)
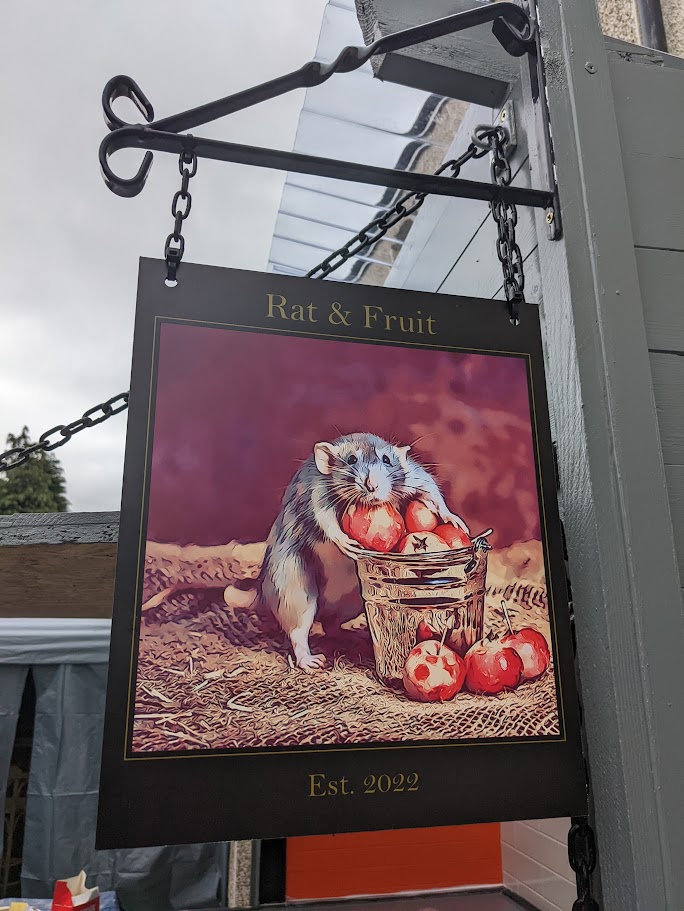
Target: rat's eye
(352,460)
(386,459)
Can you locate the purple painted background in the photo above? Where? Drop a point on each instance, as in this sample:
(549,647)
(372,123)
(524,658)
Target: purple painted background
(237,412)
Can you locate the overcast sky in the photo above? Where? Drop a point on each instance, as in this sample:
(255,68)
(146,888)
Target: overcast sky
(70,247)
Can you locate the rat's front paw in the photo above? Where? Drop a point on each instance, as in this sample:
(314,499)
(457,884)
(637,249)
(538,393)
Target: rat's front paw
(349,547)
(451,518)
(311,663)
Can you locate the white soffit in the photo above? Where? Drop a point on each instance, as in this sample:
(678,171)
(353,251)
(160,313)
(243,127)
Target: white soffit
(353,117)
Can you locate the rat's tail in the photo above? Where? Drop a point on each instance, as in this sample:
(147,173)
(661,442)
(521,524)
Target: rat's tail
(233,596)
(240,597)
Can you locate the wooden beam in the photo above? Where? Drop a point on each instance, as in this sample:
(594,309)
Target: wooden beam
(57,580)
(58,564)
(59,528)
(471,66)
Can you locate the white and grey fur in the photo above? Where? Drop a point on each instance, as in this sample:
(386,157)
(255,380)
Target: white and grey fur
(308,568)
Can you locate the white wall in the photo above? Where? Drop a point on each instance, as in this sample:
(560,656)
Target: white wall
(535,863)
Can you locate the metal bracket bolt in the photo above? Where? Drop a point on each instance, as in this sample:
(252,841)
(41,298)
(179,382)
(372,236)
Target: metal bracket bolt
(507,119)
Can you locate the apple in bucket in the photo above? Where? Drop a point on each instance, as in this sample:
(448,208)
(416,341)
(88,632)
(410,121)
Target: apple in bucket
(419,517)
(423,542)
(377,528)
(453,536)
(433,672)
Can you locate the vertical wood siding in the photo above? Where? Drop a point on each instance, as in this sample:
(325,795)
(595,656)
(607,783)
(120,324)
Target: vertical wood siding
(649,101)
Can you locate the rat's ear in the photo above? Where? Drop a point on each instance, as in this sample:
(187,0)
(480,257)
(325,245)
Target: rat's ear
(402,452)
(325,455)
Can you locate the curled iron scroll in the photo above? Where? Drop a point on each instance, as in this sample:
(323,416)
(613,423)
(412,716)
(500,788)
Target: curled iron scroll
(512,26)
(123,87)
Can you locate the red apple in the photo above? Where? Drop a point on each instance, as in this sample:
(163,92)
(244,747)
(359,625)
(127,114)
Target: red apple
(419,517)
(425,632)
(531,646)
(374,527)
(533,650)
(433,672)
(454,537)
(492,667)
(421,543)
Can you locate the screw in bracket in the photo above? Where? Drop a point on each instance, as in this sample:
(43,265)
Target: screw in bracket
(590,68)
(553,225)
(507,116)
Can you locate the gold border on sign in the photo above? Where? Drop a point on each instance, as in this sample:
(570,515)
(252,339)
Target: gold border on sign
(325,748)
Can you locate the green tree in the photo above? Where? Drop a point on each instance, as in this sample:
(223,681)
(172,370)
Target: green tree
(36,486)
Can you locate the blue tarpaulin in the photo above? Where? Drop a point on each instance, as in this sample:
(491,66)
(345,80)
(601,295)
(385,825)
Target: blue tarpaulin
(68,661)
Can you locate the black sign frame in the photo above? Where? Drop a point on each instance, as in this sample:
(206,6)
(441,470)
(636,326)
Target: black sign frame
(204,796)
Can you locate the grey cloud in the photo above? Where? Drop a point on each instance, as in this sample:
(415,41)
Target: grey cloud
(69,252)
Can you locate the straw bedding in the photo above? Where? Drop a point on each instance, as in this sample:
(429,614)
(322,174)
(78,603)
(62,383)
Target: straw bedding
(211,676)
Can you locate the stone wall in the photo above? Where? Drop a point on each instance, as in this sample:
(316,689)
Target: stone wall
(619,20)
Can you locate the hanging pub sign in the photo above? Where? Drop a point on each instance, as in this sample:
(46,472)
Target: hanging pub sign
(340,595)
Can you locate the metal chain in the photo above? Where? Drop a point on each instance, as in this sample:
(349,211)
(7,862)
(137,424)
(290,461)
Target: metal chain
(13,458)
(505,216)
(582,857)
(486,139)
(376,229)
(175,242)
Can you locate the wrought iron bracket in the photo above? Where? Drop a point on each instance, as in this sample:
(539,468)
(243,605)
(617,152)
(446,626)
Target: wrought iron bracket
(515,29)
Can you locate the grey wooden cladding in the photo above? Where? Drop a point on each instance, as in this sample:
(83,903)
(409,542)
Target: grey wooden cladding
(667,371)
(649,101)
(661,277)
(655,189)
(647,127)
(674,475)
(632,53)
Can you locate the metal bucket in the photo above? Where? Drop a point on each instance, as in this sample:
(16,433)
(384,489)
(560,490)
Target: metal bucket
(445,589)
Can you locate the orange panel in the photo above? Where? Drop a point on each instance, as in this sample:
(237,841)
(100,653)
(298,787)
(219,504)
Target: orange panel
(404,860)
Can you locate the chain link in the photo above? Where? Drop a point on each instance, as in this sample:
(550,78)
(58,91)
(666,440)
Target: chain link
(62,433)
(174,248)
(376,229)
(505,216)
(485,139)
(582,857)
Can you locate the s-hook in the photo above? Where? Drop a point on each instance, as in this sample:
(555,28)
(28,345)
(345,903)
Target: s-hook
(515,29)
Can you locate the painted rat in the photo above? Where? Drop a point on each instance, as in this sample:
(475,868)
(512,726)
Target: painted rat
(308,567)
